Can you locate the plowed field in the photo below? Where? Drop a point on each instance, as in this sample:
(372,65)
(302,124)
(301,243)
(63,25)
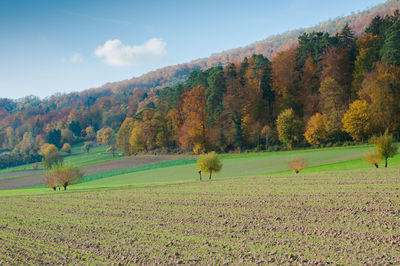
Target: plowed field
(348,217)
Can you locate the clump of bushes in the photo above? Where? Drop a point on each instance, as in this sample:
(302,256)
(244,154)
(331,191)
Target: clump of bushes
(297,164)
(62,176)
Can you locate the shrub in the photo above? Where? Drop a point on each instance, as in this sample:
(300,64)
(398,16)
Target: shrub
(209,163)
(385,146)
(373,158)
(62,175)
(66,148)
(297,164)
(51,180)
(35,166)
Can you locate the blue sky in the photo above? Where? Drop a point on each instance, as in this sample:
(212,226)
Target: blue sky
(63,46)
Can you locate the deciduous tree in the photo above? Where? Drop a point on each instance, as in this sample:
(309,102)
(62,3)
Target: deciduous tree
(316,130)
(385,146)
(209,163)
(356,120)
(123,136)
(289,128)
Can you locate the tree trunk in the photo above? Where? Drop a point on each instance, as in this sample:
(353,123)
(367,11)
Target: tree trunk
(376,165)
(200,174)
(210,175)
(386,162)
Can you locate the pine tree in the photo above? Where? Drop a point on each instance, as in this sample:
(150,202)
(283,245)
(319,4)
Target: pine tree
(390,51)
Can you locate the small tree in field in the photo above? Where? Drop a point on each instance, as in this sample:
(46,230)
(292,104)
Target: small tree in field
(209,163)
(51,180)
(373,158)
(297,164)
(62,175)
(385,146)
(87,146)
(66,148)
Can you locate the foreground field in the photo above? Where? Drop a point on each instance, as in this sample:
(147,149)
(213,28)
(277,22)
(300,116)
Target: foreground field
(347,217)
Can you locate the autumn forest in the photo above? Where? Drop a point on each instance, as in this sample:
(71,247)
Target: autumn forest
(328,90)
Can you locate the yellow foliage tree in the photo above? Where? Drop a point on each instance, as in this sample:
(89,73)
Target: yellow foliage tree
(90,134)
(209,163)
(123,136)
(316,130)
(66,148)
(356,120)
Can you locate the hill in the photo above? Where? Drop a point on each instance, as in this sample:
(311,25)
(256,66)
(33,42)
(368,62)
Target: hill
(171,75)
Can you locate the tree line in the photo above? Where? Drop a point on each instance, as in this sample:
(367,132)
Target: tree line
(327,89)
(330,88)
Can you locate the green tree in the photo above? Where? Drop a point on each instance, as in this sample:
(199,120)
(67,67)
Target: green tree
(238,131)
(54,137)
(87,146)
(390,51)
(209,163)
(75,127)
(289,128)
(51,156)
(385,146)
(214,92)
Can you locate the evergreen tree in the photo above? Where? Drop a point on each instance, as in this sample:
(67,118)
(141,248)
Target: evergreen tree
(390,51)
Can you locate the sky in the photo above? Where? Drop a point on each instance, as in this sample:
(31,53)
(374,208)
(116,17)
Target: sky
(51,46)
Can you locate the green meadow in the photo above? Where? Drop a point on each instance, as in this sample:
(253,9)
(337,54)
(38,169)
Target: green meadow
(234,165)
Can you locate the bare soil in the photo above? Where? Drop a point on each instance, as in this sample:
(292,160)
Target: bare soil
(339,218)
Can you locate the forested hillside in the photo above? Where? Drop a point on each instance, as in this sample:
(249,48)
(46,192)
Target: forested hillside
(329,88)
(269,47)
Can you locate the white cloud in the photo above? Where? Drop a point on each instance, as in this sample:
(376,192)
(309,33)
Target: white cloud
(115,53)
(75,58)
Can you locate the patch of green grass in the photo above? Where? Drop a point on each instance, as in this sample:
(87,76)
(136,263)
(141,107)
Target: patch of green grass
(77,158)
(234,165)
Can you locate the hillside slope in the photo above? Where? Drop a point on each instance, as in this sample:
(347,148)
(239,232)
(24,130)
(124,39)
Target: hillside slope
(171,75)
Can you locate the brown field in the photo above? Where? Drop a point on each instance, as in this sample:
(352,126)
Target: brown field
(342,218)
